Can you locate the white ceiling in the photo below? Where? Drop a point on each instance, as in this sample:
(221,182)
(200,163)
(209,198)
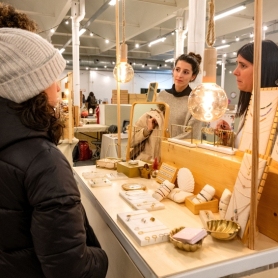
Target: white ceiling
(146,20)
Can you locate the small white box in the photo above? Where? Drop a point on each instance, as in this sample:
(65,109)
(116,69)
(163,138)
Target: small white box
(190,235)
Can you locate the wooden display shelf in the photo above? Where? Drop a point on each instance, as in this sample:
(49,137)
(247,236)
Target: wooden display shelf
(208,167)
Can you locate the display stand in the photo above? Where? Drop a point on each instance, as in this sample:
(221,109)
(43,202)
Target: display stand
(144,227)
(139,199)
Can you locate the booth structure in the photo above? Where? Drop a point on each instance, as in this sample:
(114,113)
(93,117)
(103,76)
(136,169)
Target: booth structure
(214,259)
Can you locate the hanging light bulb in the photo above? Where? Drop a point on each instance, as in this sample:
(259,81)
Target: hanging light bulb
(208,101)
(123,71)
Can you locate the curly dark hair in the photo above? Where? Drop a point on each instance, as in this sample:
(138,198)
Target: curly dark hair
(193,59)
(37,114)
(10,18)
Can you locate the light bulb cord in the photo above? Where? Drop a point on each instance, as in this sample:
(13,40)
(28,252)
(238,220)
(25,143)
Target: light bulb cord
(123,15)
(210,39)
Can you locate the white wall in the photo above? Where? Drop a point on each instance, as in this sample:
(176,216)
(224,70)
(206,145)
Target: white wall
(102,83)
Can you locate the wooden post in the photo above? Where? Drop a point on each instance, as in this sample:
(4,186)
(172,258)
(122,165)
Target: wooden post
(118,83)
(256,123)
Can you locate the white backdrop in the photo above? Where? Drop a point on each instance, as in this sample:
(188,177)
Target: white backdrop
(101,83)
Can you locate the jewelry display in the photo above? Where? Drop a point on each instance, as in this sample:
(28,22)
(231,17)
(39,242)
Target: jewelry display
(185,180)
(139,199)
(99,182)
(239,206)
(274,154)
(224,202)
(144,227)
(166,172)
(133,186)
(206,215)
(150,231)
(116,176)
(268,103)
(92,175)
(205,195)
(163,191)
(177,195)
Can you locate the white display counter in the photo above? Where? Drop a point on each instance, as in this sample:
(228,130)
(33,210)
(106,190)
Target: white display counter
(128,259)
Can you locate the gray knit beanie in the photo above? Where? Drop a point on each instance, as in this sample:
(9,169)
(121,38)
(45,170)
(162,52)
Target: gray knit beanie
(28,64)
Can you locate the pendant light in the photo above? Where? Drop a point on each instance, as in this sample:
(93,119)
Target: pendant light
(123,71)
(208,101)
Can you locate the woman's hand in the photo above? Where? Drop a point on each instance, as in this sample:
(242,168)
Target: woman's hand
(222,125)
(151,123)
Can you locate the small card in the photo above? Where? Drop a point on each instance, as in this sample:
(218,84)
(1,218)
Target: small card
(190,235)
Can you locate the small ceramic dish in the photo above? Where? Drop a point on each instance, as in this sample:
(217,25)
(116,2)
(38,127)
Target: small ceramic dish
(133,186)
(223,229)
(182,245)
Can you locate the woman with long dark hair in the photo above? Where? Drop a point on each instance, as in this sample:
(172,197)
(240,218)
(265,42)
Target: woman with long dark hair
(244,75)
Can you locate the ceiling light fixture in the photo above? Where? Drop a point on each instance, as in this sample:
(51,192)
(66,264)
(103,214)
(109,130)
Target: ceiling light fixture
(222,46)
(81,32)
(91,34)
(112,3)
(229,12)
(237,38)
(169,60)
(123,72)
(157,41)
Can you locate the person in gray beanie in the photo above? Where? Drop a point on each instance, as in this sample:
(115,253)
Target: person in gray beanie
(44,231)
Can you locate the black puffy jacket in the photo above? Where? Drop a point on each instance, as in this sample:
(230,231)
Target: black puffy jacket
(42,230)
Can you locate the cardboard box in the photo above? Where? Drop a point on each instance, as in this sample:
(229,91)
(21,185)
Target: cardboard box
(195,208)
(123,97)
(136,98)
(132,171)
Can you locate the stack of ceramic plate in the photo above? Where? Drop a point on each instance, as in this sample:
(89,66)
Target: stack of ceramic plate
(185,180)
